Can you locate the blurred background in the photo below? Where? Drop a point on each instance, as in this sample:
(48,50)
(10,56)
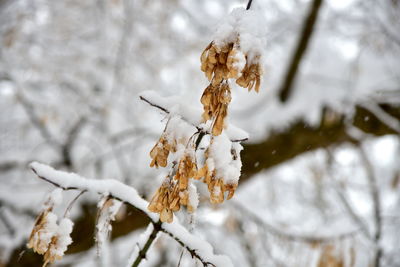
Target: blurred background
(320,181)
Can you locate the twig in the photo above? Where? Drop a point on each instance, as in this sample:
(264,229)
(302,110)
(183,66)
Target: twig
(143,251)
(7,223)
(33,117)
(249,4)
(200,129)
(376,200)
(66,213)
(354,216)
(192,252)
(70,141)
(383,116)
(154,105)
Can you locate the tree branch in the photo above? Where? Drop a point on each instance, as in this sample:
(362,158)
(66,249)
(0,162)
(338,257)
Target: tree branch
(376,202)
(300,137)
(200,129)
(69,181)
(143,251)
(249,4)
(31,112)
(301,48)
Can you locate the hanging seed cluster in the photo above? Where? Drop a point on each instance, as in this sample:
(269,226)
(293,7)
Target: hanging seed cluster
(219,63)
(174,191)
(49,238)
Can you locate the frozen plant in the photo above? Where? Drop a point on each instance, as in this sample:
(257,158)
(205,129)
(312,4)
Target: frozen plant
(234,54)
(229,57)
(107,210)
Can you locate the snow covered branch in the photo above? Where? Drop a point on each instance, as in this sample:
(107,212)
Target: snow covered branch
(198,248)
(171,106)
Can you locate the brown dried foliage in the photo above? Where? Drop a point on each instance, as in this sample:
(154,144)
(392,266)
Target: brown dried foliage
(215,100)
(159,153)
(49,256)
(173,193)
(251,77)
(216,186)
(219,63)
(329,258)
(40,223)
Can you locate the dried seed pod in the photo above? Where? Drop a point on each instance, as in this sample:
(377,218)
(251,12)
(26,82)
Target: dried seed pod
(41,229)
(216,188)
(166,215)
(186,169)
(231,189)
(251,77)
(159,153)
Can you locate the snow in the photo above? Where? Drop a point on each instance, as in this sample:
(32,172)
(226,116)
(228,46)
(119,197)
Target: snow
(115,188)
(64,239)
(193,196)
(249,26)
(201,247)
(43,237)
(54,197)
(222,161)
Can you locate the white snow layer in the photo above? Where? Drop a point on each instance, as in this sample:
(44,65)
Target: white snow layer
(64,239)
(227,166)
(54,198)
(249,26)
(129,195)
(193,196)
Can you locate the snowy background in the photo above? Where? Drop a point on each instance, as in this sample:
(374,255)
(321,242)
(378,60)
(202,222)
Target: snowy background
(71,73)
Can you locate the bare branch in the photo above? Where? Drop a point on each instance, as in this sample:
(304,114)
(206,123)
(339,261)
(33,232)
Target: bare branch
(143,251)
(383,116)
(301,48)
(249,4)
(345,202)
(34,118)
(376,202)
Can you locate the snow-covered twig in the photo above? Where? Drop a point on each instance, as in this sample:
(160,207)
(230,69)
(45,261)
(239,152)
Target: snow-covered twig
(198,248)
(235,134)
(147,238)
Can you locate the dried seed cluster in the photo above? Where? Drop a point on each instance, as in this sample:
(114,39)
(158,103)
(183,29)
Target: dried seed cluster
(174,192)
(219,63)
(160,152)
(216,186)
(49,238)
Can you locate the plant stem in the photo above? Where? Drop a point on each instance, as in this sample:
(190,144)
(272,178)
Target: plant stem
(143,251)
